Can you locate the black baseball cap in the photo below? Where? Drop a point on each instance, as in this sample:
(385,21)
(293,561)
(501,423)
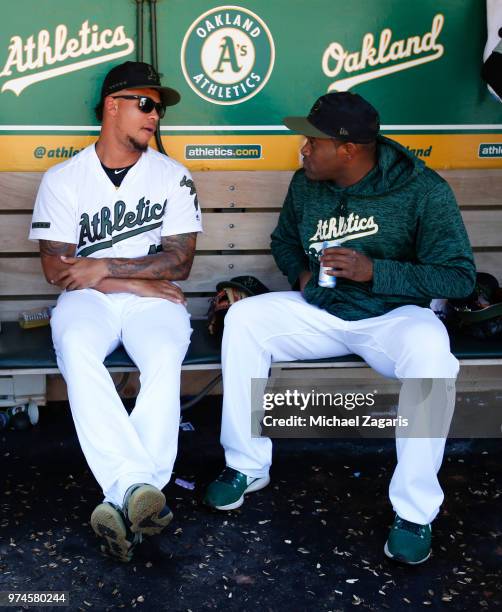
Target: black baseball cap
(342,115)
(137,75)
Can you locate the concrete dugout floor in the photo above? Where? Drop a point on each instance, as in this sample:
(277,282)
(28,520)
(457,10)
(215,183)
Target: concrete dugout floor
(312,540)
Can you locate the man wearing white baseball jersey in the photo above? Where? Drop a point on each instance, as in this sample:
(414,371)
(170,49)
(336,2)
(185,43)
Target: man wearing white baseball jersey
(117,226)
(390,230)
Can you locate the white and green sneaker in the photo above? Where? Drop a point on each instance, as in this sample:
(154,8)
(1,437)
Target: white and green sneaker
(409,542)
(228,490)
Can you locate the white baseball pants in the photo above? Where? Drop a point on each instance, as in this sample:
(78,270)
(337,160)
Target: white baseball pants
(408,342)
(122,450)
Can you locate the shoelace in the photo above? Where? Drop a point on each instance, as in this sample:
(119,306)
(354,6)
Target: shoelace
(414,528)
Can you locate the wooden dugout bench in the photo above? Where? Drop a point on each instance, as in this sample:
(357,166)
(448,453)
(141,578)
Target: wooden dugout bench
(240,211)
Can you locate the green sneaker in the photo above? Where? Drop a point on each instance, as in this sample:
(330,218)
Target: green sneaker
(409,542)
(227,491)
(145,509)
(109,523)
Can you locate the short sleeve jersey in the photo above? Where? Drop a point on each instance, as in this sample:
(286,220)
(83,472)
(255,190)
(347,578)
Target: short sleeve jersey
(78,204)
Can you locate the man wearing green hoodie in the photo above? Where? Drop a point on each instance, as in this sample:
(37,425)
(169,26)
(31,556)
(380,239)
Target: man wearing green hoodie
(391,232)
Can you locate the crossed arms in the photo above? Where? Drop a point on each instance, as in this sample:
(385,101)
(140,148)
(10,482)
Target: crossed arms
(148,276)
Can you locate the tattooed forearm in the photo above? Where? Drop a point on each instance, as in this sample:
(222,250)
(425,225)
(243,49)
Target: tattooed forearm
(172,263)
(128,268)
(180,249)
(49,248)
(50,256)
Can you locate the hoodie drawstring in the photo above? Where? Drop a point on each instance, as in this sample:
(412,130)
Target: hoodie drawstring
(343,207)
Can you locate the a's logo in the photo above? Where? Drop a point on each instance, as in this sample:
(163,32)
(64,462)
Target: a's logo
(152,74)
(227,55)
(394,55)
(46,56)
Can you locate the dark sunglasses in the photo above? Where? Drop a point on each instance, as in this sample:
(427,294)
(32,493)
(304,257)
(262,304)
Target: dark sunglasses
(146,105)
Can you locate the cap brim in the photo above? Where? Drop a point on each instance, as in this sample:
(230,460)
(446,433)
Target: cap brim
(169,96)
(303,126)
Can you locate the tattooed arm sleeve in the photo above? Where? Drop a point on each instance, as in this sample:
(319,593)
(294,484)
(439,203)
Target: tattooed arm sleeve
(174,262)
(50,254)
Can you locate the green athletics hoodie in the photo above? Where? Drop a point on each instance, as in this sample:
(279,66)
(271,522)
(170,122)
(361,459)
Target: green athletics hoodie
(402,215)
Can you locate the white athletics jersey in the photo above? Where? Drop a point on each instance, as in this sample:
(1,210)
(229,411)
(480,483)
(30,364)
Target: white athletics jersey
(78,204)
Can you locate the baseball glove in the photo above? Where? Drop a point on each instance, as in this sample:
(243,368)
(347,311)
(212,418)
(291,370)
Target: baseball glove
(480,314)
(228,293)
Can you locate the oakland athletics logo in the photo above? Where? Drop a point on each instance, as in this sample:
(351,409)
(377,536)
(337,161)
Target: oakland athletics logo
(227,55)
